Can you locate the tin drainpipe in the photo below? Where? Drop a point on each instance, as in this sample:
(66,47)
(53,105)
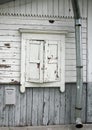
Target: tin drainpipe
(79,64)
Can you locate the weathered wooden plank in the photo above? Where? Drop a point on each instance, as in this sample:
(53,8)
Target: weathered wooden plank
(35,106)
(5,8)
(66,23)
(9,56)
(40,106)
(70,35)
(85,8)
(81,6)
(84,103)
(1,105)
(89,102)
(73,73)
(22,6)
(9,62)
(67,104)
(57,106)
(9,38)
(62,108)
(73,52)
(40,7)
(66,7)
(73,46)
(29,103)
(46,106)
(1,9)
(45,8)
(39,20)
(56,9)
(61,8)
(50,8)
(73,40)
(9,74)
(22,109)
(6,116)
(73,57)
(73,79)
(70,9)
(17,107)
(17,7)
(51,106)
(9,68)
(11,7)
(28,7)
(11,116)
(9,80)
(34,7)
(72,102)
(8,49)
(16,27)
(10,44)
(73,62)
(73,68)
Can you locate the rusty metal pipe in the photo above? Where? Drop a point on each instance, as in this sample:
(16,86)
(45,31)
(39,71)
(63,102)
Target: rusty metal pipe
(79,64)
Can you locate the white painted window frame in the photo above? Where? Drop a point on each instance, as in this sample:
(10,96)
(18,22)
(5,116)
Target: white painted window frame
(25,34)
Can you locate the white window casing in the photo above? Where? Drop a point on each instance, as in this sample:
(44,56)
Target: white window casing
(42,59)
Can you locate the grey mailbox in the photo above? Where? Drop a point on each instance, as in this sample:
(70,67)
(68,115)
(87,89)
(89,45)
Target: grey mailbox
(10,96)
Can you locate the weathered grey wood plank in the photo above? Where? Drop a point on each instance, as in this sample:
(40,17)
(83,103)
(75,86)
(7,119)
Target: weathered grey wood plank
(62,108)
(23,109)
(89,102)
(84,103)
(35,106)
(17,106)
(6,115)
(40,107)
(29,102)
(72,102)
(1,105)
(51,106)
(46,106)
(11,116)
(68,104)
(57,106)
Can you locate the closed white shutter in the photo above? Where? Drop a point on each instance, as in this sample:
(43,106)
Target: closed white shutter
(52,61)
(34,60)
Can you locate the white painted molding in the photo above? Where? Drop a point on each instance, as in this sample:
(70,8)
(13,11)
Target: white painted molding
(28,34)
(45,31)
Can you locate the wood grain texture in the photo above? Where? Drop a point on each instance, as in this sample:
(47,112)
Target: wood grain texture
(46,8)
(10,45)
(42,106)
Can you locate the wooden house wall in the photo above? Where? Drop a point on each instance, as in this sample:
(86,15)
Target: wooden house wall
(10,45)
(39,106)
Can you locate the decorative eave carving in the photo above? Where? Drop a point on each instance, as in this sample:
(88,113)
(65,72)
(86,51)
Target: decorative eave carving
(38,16)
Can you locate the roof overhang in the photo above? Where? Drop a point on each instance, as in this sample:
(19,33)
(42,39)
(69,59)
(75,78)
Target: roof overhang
(5,1)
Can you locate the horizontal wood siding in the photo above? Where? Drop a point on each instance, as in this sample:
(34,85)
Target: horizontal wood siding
(10,45)
(40,106)
(56,8)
